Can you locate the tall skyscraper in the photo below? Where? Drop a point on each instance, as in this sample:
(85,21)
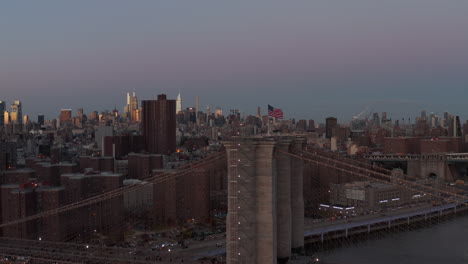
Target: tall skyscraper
(134,110)
(311,125)
(80,113)
(2,113)
(384,117)
(40,119)
(159,125)
(330,124)
(197,108)
(376,120)
(93,116)
(218,112)
(65,117)
(208,113)
(456,127)
(26,119)
(16,115)
(131,110)
(178,104)
(6,118)
(423,114)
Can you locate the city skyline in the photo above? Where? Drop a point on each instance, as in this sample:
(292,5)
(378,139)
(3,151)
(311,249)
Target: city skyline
(367,110)
(311,59)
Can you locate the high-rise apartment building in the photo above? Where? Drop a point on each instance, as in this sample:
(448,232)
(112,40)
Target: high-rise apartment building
(311,125)
(93,116)
(159,125)
(330,124)
(132,112)
(6,118)
(424,114)
(384,117)
(16,115)
(80,114)
(178,104)
(2,113)
(40,119)
(376,120)
(65,117)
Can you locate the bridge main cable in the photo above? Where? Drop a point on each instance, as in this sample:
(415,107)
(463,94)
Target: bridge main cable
(386,176)
(372,178)
(120,191)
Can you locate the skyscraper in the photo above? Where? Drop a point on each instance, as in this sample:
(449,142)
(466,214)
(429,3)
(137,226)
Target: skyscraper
(16,114)
(330,124)
(384,118)
(2,113)
(423,114)
(93,116)
(376,120)
(40,119)
(6,118)
(197,108)
(134,111)
(178,104)
(218,112)
(80,113)
(311,125)
(131,110)
(208,113)
(65,117)
(159,125)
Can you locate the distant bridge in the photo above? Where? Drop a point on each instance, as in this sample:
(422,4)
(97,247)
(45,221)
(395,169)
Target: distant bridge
(450,157)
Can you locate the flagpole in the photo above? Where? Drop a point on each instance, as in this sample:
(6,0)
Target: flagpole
(274,123)
(268,127)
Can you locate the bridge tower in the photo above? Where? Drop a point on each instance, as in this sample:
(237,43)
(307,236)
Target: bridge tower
(264,223)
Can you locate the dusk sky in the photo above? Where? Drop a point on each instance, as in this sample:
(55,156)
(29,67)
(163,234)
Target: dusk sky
(311,58)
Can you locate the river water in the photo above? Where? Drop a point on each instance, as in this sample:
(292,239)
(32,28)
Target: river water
(443,243)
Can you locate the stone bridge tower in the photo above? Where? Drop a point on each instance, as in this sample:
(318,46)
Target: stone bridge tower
(265,221)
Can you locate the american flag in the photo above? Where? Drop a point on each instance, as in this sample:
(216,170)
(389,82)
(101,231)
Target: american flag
(275,112)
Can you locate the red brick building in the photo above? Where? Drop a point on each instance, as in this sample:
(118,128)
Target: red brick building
(121,146)
(414,145)
(97,163)
(141,165)
(159,125)
(184,198)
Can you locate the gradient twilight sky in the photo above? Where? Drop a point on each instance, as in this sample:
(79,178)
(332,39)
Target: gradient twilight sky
(311,58)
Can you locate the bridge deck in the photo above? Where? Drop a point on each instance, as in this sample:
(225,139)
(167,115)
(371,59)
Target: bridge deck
(317,230)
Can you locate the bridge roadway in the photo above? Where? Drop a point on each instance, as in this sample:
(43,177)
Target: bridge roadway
(367,221)
(450,157)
